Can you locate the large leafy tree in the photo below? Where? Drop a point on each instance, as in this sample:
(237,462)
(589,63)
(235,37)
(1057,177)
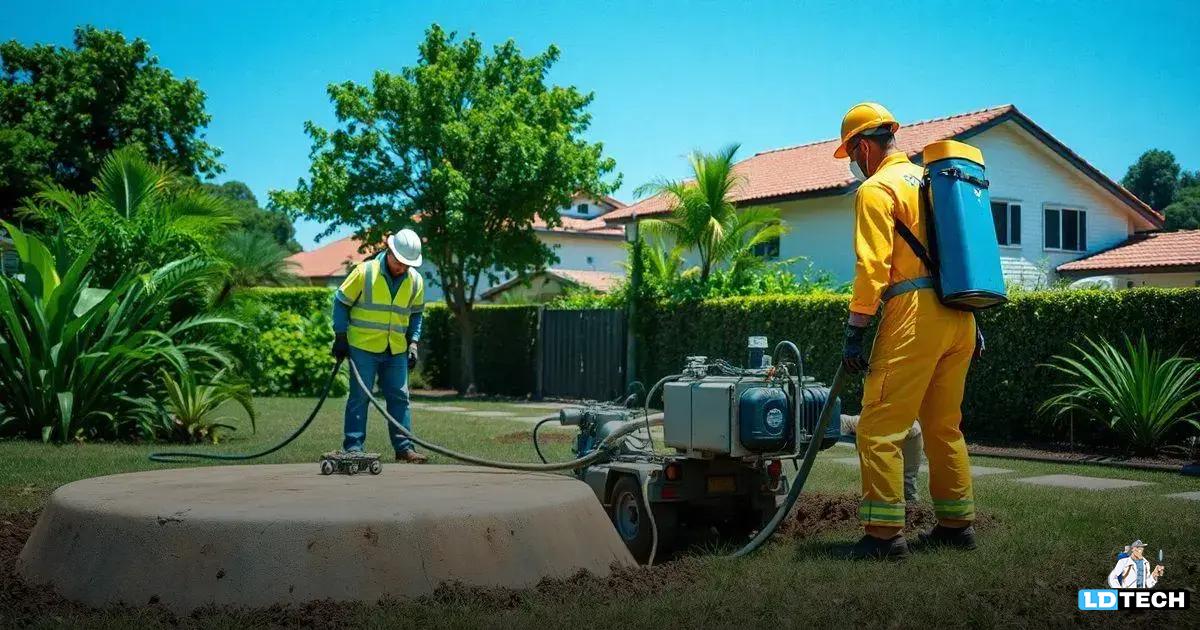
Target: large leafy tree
(63,110)
(1154,178)
(275,225)
(1184,212)
(704,219)
(465,146)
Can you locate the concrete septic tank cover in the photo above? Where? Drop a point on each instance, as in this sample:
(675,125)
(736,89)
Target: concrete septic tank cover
(281,534)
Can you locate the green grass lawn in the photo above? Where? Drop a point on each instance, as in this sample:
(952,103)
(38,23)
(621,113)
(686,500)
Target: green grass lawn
(1041,546)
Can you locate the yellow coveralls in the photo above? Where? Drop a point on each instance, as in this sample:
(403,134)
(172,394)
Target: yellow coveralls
(919,362)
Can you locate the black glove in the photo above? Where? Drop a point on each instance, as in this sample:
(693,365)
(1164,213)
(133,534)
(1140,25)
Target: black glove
(341,346)
(412,355)
(980,344)
(853,360)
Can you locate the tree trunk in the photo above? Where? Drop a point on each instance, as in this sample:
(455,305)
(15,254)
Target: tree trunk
(466,333)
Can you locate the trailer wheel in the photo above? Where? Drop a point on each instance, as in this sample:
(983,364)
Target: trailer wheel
(627,509)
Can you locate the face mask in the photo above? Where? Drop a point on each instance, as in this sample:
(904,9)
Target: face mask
(857,172)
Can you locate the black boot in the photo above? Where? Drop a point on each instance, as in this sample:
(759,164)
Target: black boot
(942,536)
(871,548)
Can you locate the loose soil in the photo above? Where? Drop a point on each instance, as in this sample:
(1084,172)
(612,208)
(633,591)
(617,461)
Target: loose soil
(544,437)
(819,512)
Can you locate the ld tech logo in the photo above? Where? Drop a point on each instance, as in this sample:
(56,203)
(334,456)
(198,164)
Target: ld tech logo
(1112,599)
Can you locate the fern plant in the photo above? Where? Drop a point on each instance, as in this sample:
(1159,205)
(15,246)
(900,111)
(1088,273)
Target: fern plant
(192,407)
(1139,393)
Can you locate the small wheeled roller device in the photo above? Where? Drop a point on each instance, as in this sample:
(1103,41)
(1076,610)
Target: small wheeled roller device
(350,463)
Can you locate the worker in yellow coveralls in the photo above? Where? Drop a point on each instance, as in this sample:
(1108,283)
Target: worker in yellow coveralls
(922,349)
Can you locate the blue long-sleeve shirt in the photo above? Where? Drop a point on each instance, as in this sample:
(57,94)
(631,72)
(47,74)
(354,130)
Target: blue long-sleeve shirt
(341,305)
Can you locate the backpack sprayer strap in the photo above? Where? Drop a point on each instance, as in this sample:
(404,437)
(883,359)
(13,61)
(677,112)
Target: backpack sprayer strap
(907,286)
(959,174)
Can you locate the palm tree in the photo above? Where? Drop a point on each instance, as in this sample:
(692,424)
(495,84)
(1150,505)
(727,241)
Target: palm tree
(705,219)
(140,215)
(254,259)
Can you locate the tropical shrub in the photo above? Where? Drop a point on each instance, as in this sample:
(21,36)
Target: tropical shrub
(140,216)
(192,406)
(1139,393)
(78,362)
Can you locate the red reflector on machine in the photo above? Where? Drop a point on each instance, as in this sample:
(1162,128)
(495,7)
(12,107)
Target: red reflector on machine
(775,468)
(673,472)
(669,492)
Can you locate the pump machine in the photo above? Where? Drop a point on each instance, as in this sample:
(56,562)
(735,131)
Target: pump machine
(726,432)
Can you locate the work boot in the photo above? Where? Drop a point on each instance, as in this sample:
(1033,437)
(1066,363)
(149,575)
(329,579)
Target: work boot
(411,457)
(942,536)
(871,548)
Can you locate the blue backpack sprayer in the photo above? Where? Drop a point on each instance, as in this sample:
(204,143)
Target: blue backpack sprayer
(729,426)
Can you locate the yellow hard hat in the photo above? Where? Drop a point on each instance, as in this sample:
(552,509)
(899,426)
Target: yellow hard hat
(862,117)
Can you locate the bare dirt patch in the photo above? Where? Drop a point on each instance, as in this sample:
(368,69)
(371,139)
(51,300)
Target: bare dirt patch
(544,437)
(821,512)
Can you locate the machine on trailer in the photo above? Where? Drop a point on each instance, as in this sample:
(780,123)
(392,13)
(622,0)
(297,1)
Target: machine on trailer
(730,429)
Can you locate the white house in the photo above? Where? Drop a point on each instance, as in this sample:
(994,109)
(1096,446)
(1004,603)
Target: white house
(584,242)
(1050,207)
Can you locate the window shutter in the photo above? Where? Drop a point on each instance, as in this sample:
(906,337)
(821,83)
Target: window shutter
(1052,229)
(1082,231)
(1014,230)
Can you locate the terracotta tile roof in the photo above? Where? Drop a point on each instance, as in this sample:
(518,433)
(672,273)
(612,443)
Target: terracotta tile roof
(596,226)
(811,168)
(602,281)
(1159,250)
(333,259)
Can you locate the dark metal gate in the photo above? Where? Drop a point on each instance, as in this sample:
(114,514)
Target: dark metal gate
(581,353)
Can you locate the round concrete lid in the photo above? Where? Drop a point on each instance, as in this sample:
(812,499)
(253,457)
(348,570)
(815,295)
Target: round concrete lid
(265,534)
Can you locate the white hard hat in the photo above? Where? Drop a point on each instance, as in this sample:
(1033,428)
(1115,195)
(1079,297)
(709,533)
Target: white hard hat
(406,247)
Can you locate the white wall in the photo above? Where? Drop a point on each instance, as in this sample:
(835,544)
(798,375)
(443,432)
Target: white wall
(1177,280)
(1021,170)
(586,253)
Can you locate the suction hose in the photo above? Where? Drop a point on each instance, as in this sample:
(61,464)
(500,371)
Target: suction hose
(597,453)
(176,457)
(810,456)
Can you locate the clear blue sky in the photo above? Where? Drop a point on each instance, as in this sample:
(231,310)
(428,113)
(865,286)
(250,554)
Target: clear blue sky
(1108,78)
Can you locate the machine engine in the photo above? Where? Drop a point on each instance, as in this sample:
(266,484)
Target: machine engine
(717,410)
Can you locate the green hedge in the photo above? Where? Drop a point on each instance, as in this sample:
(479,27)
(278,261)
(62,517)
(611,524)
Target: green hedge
(285,347)
(1004,389)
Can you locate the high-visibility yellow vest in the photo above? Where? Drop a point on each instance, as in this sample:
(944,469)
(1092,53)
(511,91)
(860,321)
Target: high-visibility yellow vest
(378,320)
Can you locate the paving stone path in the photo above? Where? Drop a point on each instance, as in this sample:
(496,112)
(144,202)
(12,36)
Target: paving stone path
(491,414)
(1081,482)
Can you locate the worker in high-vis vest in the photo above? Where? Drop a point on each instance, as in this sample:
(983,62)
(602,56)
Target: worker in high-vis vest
(377,324)
(918,364)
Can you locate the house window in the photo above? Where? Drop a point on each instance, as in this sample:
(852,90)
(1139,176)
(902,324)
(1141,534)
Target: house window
(767,250)
(1007,219)
(1066,229)
(582,208)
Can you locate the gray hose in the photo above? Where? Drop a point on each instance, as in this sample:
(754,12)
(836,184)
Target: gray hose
(608,442)
(810,456)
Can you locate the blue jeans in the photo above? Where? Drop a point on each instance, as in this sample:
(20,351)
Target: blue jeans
(392,372)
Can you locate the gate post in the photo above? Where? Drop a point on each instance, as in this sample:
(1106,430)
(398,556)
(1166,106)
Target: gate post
(539,344)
